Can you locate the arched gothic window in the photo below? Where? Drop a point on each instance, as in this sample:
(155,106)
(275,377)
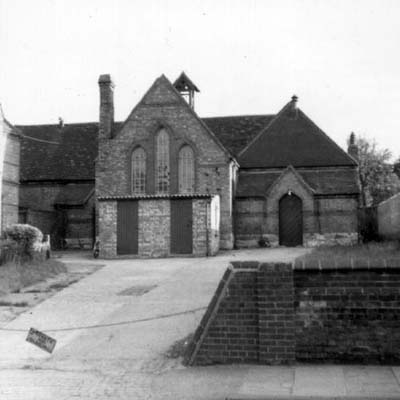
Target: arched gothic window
(186,170)
(162,169)
(138,165)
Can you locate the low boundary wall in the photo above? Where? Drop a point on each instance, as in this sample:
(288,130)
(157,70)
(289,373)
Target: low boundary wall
(274,313)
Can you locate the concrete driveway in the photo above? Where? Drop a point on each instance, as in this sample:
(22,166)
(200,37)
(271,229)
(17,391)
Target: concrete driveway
(123,359)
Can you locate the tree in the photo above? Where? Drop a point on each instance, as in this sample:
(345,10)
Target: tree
(377,178)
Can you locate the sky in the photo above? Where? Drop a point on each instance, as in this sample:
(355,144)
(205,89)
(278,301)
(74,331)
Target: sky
(341,58)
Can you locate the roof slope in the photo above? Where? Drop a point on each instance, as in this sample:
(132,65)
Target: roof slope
(292,138)
(237,131)
(49,152)
(323,182)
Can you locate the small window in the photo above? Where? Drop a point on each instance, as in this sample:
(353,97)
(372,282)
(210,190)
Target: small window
(186,170)
(138,171)
(162,169)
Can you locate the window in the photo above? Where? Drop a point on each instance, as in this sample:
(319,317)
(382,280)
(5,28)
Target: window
(186,170)
(162,169)
(138,164)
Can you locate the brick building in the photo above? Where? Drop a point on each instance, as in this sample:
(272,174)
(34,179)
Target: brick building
(9,172)
(166,181)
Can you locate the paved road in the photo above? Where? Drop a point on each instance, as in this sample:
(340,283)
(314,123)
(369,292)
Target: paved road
(128,361)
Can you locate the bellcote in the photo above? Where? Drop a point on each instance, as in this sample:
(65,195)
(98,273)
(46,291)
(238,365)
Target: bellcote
(186,88)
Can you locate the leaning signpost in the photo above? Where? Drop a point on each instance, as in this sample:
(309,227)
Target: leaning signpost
(41,340)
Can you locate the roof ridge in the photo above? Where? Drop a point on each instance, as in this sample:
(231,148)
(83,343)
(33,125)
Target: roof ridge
(265,129)
(240,115)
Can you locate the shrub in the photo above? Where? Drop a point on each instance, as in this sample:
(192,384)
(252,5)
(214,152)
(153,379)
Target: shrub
(27,238)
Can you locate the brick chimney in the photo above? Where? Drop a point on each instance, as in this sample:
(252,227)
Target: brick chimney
(353,148)
(106,121)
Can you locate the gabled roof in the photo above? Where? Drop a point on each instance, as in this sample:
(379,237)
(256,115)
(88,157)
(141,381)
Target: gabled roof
(291,171)
(163,80)
(183,83)
(235,132)
(291,138)
(322,182)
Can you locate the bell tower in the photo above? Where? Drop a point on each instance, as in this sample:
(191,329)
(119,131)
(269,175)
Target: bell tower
(186,88)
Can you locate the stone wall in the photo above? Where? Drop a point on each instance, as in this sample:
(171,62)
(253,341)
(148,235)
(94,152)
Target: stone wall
(389,218)
(276,313)
(154,228)
(163,107)
(9,175)
(154,220)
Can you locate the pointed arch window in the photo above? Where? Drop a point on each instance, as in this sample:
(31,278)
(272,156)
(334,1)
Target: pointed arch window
(138,165)
(186,170)
(162,169)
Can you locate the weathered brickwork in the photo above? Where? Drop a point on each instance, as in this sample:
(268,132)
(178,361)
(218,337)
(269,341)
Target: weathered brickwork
(228,332)
(327,219)
(277,313)
(250,318)
(163,108)
(389,218)
(154,223)
(348,315)
(9,173)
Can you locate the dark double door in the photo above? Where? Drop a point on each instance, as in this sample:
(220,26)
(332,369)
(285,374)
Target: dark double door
(181,235)
(290,220)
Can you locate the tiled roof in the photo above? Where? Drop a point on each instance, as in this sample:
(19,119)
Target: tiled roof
(293,139)
(324,182)
(49,152)
(237,131)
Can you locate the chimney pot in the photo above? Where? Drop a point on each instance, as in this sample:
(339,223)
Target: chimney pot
(294,99)
(353,148)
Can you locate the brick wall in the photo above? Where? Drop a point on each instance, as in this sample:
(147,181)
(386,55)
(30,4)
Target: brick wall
(228,331)
(250,318)
(389,218)
(277,313)
(163,108)
(348,315)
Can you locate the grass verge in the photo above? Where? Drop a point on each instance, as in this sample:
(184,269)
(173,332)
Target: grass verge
(377,254)
(13,277)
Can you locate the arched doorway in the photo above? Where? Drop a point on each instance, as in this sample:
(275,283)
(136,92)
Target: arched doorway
(290,220)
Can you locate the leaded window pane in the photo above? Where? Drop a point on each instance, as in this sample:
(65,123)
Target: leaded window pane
(186,170)
(162,169)
(138,171)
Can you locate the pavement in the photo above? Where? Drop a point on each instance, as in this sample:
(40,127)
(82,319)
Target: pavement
(114,330)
